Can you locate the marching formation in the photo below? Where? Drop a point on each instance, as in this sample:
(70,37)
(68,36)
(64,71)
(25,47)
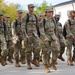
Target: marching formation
(30,39)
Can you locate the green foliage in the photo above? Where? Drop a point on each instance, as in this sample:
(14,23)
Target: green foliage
(41,8)
(11,8)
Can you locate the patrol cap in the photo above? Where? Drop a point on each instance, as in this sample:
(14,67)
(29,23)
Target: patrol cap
(1,14)
(40,14)
(7,16)
(49,10)
(19,11)
(57,15)
(31,5)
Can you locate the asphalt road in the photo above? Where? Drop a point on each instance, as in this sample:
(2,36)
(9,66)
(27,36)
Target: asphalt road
(63,69)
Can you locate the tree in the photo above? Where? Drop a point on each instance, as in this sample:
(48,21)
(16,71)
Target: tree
(9,9)
(42,7)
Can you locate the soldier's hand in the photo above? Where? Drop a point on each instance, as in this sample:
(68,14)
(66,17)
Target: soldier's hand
(27,36)
(17,39)
(46,40)
(73,37)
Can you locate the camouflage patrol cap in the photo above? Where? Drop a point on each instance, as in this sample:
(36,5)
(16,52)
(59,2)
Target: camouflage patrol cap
(57,15)
(1,14)
(19,11)
(31,5)
(7,16)
(49,10)
(40,14)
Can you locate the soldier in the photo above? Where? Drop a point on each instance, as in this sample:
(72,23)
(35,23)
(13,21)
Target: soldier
(51,43)
(44,44)
(9,38)
(17,39)
(70,30)
(32,39)
(3,46)
(40,19)
(59,34)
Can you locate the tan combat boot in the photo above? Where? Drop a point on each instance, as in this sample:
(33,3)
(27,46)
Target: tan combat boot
(73,58)
(35,62)
(70,62)
(22,59)
(53,64)
(17,64)
(49,64)
(28,64)
(10,59)
(46,68)
(3,61)
(60,57)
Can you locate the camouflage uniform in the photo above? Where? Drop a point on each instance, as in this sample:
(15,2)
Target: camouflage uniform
(54,46)
(17,39)
(3,46)
(59,34)
(9,38)
(40,18)
(44,46)
(32,44)
(70,29)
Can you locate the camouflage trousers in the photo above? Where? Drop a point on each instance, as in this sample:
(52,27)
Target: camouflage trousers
(10,47)
(45,52)
(32,45)
(70,43)
(18,50)
(63,44)
(48,48)
(3,46)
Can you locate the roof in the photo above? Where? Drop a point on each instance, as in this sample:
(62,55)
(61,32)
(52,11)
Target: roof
(65,3)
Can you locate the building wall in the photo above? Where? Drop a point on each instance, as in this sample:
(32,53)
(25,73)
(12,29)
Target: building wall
(63,10)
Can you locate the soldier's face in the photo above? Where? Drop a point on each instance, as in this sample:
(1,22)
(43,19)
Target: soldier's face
(7,19)
(40,17)
(31,9)
(73,14)
(50,14)
(20,15)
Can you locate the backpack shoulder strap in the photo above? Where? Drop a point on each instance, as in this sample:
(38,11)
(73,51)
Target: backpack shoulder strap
(44,22)
(27,18)
(37,27)
(16,23)
(4,29)
(54,21)
(69,22)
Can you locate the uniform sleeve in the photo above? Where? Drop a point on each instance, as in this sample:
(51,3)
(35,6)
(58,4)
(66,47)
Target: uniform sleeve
(24,25)
(67,26)
(60,31)
(13,28)
(42,32)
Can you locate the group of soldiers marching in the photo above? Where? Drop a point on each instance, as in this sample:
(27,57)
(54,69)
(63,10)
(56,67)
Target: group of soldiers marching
(34,34)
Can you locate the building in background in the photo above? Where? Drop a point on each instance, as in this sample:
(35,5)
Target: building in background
(63,9)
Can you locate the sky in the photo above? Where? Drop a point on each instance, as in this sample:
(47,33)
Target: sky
(24,3)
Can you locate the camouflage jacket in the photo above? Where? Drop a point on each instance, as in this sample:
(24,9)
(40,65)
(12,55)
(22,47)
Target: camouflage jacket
(30,26)
(8,31)
(49,29)
(2,28)
(70,27)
